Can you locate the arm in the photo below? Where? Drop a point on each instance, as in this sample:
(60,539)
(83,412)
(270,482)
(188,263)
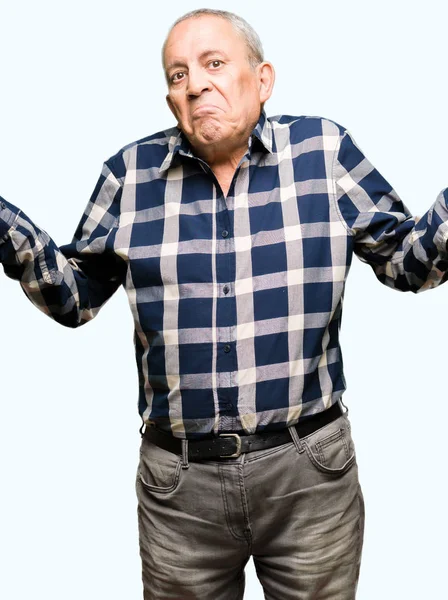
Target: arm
(406,253)
(71,283)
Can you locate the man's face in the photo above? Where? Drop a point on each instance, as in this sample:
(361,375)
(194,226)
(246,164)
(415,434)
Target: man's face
(213,91)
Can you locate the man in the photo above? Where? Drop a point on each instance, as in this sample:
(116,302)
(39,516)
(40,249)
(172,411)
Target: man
(233,235)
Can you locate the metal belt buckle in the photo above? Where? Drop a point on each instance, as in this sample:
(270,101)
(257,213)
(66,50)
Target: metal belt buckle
(238,445)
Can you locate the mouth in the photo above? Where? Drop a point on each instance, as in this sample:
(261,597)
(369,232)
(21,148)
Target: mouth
(205,109)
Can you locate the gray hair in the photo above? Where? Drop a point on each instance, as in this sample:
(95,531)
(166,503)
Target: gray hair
(242,27)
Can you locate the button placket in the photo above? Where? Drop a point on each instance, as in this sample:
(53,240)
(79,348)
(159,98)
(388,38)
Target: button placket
(223,228)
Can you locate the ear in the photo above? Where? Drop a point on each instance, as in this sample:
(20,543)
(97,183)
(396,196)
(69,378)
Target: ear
(266,79)
(171,105)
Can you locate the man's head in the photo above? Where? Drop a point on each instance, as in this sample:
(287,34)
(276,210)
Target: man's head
(217,79)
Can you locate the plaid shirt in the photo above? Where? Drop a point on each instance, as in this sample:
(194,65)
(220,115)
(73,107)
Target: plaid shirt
(237,300)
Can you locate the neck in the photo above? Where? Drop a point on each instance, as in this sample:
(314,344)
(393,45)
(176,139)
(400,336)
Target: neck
(224,164)
(223,156)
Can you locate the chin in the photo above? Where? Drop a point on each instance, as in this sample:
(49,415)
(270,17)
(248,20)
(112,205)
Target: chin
(210,131)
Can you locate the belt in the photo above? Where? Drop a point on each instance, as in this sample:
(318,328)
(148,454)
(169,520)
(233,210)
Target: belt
(231,445)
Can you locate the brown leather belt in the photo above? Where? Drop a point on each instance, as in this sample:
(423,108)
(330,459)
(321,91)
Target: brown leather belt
(231,445)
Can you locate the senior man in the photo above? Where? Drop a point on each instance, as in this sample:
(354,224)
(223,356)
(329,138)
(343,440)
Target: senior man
(232,235)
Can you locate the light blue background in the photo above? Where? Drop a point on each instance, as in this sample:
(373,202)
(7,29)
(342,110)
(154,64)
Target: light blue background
(80,81)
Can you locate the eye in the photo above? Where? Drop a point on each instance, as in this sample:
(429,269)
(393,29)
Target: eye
(215,64)
(177,76)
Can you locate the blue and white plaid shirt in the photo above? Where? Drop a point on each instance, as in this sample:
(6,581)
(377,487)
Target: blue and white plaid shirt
(237,300)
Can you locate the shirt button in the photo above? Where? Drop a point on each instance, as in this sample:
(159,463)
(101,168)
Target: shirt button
(227,348)
(226,289)
(224,233)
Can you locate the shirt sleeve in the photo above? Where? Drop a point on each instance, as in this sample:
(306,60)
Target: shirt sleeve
(405,252)
(70,283)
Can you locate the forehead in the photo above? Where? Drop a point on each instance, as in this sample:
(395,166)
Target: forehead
(195,35)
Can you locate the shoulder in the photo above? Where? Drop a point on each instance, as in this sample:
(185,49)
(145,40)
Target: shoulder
(306,126)
(146,152)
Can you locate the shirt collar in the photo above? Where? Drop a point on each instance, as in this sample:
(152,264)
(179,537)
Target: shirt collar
(178,145)
(263,132)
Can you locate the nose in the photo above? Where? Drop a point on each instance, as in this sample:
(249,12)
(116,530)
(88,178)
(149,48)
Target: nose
(197,83)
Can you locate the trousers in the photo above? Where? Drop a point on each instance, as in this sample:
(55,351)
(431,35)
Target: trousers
(297,509)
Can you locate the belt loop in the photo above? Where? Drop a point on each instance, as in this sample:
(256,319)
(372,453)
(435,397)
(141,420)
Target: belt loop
(295,438)
(185,463)
(345,412)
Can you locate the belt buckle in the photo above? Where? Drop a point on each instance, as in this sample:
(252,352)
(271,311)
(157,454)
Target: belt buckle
(238,445)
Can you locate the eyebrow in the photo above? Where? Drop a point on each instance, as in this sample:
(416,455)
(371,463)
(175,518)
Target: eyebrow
(202,56)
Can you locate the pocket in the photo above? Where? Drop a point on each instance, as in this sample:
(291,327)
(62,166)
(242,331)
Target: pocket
(158,470)
(331,449)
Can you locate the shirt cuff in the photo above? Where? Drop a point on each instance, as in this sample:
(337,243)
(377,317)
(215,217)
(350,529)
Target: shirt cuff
(8,214)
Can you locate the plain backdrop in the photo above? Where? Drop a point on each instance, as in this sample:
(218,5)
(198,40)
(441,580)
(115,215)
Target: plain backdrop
(78,82)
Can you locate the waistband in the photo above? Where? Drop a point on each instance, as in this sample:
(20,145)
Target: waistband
(231,445)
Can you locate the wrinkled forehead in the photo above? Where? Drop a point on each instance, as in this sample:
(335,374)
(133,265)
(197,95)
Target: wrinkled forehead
(196,35)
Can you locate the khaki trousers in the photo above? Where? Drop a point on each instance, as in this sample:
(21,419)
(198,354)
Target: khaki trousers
(297,509)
